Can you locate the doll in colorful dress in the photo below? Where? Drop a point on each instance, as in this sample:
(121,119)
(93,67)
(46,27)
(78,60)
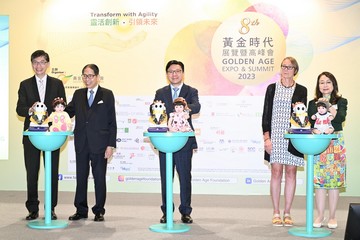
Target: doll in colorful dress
(178,120)
(60,119)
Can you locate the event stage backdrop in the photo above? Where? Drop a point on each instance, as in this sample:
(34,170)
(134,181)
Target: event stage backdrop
(232,51)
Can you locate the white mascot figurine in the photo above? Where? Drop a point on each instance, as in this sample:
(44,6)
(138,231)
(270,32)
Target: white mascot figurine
(299,120)
(38,118)
(158,117)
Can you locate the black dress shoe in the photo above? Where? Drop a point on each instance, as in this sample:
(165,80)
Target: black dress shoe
(163,219)
(99,217)
(32,215)
(77,216)
(53,215)
(186,219)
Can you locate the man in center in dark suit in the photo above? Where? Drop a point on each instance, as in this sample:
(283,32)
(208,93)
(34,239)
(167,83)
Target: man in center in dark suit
(38,88)
(181,159)
(94,140)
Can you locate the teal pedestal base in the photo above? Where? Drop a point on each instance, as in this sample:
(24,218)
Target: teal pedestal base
(313,233)
(310,144)
(169,143)
(163,228)
(41,224)
(47,142)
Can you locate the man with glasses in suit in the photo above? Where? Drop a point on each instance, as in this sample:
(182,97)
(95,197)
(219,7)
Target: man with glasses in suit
(182,159)
(38,88)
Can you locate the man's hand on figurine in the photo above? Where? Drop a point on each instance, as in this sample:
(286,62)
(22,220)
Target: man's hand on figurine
(32,109)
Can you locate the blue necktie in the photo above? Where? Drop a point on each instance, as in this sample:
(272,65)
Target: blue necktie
(175,95)
(91,98)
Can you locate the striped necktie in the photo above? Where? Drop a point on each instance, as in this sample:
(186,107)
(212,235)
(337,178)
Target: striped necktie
(41,90)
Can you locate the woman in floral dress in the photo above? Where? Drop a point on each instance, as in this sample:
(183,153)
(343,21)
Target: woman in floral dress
(329,166)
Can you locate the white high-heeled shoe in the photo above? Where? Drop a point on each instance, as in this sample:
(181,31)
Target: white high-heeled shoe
(332,225)
(319,224)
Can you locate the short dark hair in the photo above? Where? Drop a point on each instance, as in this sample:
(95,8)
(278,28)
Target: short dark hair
(321,104)
(40,53)
(93,67)
(176,62)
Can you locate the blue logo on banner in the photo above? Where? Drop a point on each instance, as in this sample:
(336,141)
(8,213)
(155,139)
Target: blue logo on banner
(248,180)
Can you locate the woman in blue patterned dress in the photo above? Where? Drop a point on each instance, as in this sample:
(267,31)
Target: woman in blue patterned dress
(329,166)
(279,151)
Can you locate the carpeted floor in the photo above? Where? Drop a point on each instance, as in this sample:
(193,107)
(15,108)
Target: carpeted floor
(129,216)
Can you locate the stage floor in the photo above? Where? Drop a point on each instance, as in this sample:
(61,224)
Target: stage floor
(129,216)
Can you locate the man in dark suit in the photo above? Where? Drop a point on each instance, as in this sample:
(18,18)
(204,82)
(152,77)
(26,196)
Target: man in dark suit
(182,158)
(38,88)
(95,139)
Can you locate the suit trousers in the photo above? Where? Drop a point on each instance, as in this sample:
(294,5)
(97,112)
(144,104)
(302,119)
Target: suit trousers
(32,166)
(182,163)
(98,163)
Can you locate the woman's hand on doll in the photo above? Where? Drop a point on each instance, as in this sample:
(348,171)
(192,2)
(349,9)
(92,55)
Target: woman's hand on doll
(316,131)
(323,99)
(329,131)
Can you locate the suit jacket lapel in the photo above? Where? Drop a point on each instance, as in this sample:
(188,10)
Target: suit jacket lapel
(83,101)
(168,100)
(98,97)
(181,93)
(47,91)
(35,89)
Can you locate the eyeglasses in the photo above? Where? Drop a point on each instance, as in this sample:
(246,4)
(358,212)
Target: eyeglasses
(283,67)
(89,76)
(42,63)
(174,71)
